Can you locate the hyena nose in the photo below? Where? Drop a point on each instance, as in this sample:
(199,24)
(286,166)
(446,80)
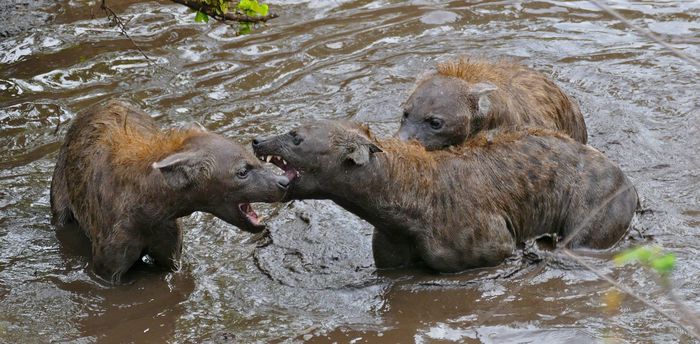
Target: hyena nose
(283,182)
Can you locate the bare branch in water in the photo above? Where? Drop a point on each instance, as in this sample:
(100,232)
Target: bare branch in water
(630,292)
(114,18)
(688,314)
(590,216)
(647,33)
(119,22)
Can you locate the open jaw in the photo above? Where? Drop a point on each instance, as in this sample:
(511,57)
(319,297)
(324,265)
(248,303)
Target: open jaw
(290,172)
(252,220)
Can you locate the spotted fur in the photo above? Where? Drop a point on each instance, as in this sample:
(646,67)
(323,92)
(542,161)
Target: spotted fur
(125,182)
(469,95)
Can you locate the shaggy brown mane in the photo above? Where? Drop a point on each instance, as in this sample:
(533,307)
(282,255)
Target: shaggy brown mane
(472,69)
(410,165)
(414,169)
(137,149)
(499,137)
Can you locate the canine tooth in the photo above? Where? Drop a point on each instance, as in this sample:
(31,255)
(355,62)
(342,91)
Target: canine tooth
(284,162)
(268,158)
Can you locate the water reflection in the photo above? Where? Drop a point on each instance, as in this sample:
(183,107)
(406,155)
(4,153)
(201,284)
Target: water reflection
(313,279)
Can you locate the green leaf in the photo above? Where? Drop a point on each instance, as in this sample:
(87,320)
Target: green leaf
(244,5)
(264,10)
(632,255)
(245,28)
(648,256)
(201,17)
(664,264)
(253,8)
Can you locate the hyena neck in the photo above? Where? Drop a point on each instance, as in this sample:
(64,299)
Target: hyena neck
(395,189)
(161,203)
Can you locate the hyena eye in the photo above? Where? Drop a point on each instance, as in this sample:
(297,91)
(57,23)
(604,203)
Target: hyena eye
(242,173)
(435,123)
(296,139)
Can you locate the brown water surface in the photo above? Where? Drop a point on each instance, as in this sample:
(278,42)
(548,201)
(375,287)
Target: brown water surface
(313,279)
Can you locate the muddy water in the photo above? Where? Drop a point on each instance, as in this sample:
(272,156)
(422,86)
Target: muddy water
(312,278)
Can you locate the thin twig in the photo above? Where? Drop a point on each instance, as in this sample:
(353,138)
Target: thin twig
(114,18)
(229,16)
(592,213)
(58,126)
(653,37)
(647,33)
(631,293)
(682,307)
(672,295)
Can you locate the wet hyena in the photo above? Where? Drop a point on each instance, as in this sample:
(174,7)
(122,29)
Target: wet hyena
(125,182)
(464,207)
(468,95)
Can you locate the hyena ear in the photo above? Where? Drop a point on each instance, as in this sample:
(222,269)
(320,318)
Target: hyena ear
(480,95)
(184,169)
(360,153)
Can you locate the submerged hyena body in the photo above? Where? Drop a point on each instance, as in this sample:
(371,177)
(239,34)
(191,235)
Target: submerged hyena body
(464,207)
(124,181)
(467,96)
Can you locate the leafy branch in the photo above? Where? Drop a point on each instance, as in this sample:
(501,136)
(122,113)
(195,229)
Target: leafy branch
(627,290)
(246,11)
(654,258)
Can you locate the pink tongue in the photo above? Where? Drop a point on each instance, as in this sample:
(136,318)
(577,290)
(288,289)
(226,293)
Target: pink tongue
(250,213)
(290,173)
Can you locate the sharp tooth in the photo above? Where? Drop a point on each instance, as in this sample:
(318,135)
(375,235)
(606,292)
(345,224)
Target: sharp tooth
(268,158)
(261,158)
(284,162)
